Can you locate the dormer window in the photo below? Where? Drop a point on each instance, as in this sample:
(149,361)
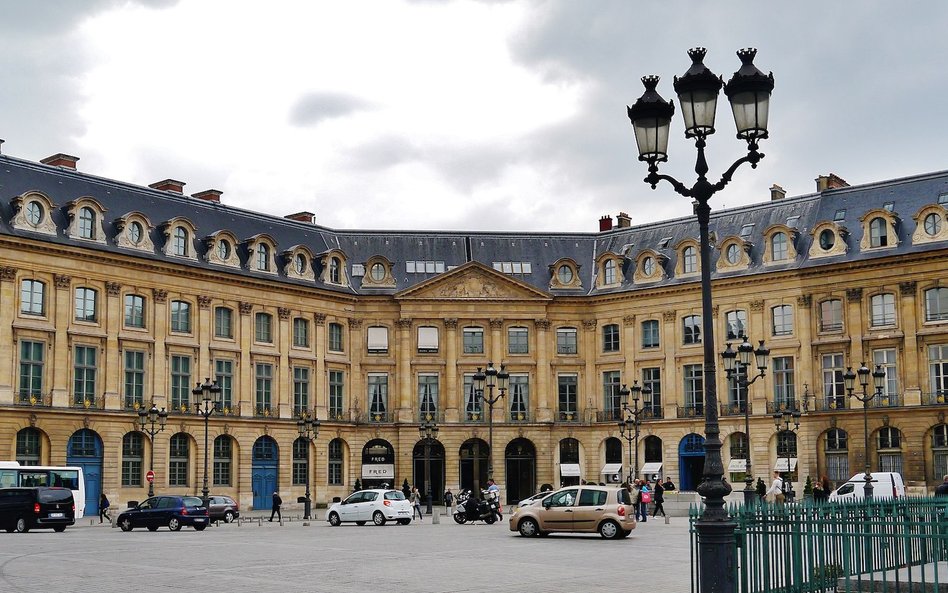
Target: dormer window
(609,272)
(378,272)
(334,270)
(32,213)
(733,254)
(179,245)
(932,223)
(85,220)
(827,239)
(648,266)
(223,249)
(35,212)
(135,232)
(778,246)
(564,274)
(300,264)
(689,258)
(86,223)
(263,257)
(179,233)
(878,237)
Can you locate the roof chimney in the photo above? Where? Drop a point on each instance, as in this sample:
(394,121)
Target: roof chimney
(777,192)
(302,217)
(209,195)
(605,223)
(66,161)
(831,181)
(623,221)
(169,185)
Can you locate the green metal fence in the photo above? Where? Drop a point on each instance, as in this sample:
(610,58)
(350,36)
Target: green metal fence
(883,546)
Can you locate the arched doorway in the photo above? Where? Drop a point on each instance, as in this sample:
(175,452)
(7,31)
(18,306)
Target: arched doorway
(378,464)
(436,465)
(473,465)
(265,462)
(653,457)
(520,459)
(570,469)
(691,461)
(612,468)
(85,450)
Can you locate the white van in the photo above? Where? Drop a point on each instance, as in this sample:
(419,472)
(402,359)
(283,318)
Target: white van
(884,485)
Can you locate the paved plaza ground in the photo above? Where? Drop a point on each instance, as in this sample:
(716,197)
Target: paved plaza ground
(416,558)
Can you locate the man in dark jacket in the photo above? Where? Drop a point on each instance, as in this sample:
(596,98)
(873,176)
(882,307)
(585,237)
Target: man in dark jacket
(942,489)
(277,502)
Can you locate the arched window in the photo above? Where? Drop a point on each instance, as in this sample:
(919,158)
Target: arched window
(778,246)
(28,446)
(883,309)
(831,315)
(564,274)
(181,317)
(335,270)
(613,450)
(689,260)
(878,232)
(300,461)
(736,324)
(653,449)
(179,244)
(86,223)
(335,462)
(691,329)
(837,455)
(223,459)
(133,451)
(609,272)
(889,443)
(263,257)
(569,451)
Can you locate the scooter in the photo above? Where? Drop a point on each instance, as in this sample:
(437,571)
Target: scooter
(470,508)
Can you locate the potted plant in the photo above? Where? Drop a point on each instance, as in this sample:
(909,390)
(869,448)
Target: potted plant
(808,489)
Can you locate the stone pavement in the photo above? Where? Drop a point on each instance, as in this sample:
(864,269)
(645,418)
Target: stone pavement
(417,558)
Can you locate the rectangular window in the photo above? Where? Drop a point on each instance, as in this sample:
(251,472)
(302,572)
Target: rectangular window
(178,461)
(300,391)
(886,359)
(472,401)
(831,316)
(300,462)
(263,389)
(223,323)
(32,297)
(378,397)
(428,397)
(890,462)
(84,390)
(263,328)
(737,395)
(783,380)
(694,388)
(611,382)
(134,379)
(566,340)
(180,383)
(837,466)
(652,379)
(336,391)
(519,397)
(300,332)
(834,388)
(224,374)
(222,461)
(736,324)
(85,305)
(473,340)
(378,340)
(782,320)
(427,339)
(335,337)
(31,371)
(610,338)
(568,397)
(180,317)
(134,310)
(133,450)
(335,462)
(517,340)
(691,328)
(650,333)
(883,309)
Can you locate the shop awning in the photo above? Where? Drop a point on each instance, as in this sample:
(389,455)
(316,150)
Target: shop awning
(652,467)
(781,465)
(569,470)
(737,466)
(611,468)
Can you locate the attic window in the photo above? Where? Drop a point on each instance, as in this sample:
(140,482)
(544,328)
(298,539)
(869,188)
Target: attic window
(792,221)
(746,230)
(627,248)
(888,206)
(943,199)
(424,267)
(358,269)
(513,267)
(664,242)
(840,215)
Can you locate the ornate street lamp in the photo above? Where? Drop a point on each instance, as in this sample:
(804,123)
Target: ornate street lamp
(308,429)
(429,433)
(629,428)
(210,396)
(147,420)
(736,365)
(878,383)
(749,94)
(491,378)
(787,421)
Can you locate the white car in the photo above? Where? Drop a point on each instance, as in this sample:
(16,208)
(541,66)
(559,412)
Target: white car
(377,506)
(535,498)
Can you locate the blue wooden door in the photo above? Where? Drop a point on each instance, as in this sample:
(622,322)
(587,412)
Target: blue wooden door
(690,461)
(264,475)
(85,450)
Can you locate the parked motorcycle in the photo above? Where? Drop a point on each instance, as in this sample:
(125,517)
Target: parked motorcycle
(470,508)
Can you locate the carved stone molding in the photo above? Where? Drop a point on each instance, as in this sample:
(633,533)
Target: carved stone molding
(451,323)
(714,310)
(589,324)
(908,288)
(629,320)
(355,323)
(543,324)
(320,318)
(496,323)
(245,307)
(669,315)
(266,429)
(62,280)
(7,273)
(160,294)
(853,295)
(86,422)
(225,429)
(283,312)
(757,305)
(805,300)
(113,288)
(33,419)
(204,301)
(403,323)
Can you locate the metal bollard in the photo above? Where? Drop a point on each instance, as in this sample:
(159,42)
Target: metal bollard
(435,518)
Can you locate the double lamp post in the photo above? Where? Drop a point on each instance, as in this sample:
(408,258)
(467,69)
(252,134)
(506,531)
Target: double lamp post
(490,379)
(308,429)
(629,427)
(428,430)
(147,419)
(748,92)
(210,401)
(878,383)
(736,364)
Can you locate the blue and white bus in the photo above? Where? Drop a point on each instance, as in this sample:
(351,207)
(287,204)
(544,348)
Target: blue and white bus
(13,474)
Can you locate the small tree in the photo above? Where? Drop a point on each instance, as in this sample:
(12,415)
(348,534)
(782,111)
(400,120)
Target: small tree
(761,489)
(358,485)
(808,487)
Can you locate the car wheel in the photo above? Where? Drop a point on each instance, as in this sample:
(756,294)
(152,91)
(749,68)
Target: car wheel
(459,518)
(378,518)
(59,528)
(334,519)
(404,521)
(126,524)
(610,530)
(199,527)
(228,517)
(528,528)
(9,529)
(174,524)
(152,528)
(626,534)
(360,523)
(490,519)
(21,526)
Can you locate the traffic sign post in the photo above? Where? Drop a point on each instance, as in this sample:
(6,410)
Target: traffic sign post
(150,476)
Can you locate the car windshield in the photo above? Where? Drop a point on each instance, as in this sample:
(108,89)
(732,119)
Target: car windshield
(192,501)
(56,495)
(394,495)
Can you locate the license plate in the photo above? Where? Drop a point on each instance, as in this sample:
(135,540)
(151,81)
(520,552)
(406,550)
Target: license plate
(56,515)
(199,520)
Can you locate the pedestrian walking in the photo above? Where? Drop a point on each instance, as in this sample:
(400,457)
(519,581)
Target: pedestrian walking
(658,497)
(776,488)
(668,485)
(645,497)
(275,509)
(415,498)
(493,487)
(942,489)
(104,508)
(448,501)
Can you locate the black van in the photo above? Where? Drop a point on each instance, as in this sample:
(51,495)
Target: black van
(22,509)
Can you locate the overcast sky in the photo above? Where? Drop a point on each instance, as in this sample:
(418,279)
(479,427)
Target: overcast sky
(449,115)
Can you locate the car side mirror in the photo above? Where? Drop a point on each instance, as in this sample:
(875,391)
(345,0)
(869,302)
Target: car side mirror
(546,503)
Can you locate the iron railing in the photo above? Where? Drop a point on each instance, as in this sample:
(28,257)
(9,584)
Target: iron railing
(783,405)
(475,416)
(36,400)
(736,408)
(691,411)
(562,416)
(830,403)
(936,398)
(613,415)
(518,416)
(859,546)
(90,402)
(652,413)
(887,401)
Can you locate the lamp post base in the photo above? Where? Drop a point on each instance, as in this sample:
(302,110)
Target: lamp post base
(717,558)
(307,507)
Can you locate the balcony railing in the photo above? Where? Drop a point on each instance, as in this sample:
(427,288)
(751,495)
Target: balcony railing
(831,327)
(614,415)
(562,416)
(937,398)
(36,400)
(229,409)
(339,415)
(181,408)
(783,405)
(887,401)
(88,403)
(378,416)
(736,408)
(132,404)
(476,416)
(831,403)
(518,416)
(652,413)
(690,411)
(264,410)
(436,416)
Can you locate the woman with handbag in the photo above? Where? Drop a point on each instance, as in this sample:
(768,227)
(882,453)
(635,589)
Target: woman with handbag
(658,497)
(645,497)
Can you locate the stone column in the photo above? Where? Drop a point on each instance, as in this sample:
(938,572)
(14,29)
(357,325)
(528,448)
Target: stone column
(912,359)
(204,332)
(628,348)
(59,306)
(587,348)
(161,367)
(547,399)
(8,302)
(111,312)
(451,390)
(671,383)
(245,382)
(854,324)
(284,379)
(403,369)
(321,380)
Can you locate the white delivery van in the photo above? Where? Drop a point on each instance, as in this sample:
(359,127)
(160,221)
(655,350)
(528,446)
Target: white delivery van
(884,485)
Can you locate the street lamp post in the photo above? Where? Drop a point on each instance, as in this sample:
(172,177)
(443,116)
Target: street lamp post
(748,91)
(736,365)
(429,432)
(210,394)
(878,383)
(629,428)
(147,419)
(787,421)
(490,379)
(308,429)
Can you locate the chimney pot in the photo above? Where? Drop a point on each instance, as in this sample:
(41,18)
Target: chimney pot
(303,216)
(66,161)
(623,220)
(171,185)
(605,223)
(777,192)
(209,195)
(831,181)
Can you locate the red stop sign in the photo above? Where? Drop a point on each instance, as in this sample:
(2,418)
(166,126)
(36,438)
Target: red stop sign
(150,476)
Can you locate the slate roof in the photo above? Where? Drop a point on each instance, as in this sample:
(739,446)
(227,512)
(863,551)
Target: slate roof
(63,185)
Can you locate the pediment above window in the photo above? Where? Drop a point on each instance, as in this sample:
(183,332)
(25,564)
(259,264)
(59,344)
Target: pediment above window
(298,263)
(32,211)
(133,231)
(931,224)
(220,248)
(378,273)
(649,267)
(86,218)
